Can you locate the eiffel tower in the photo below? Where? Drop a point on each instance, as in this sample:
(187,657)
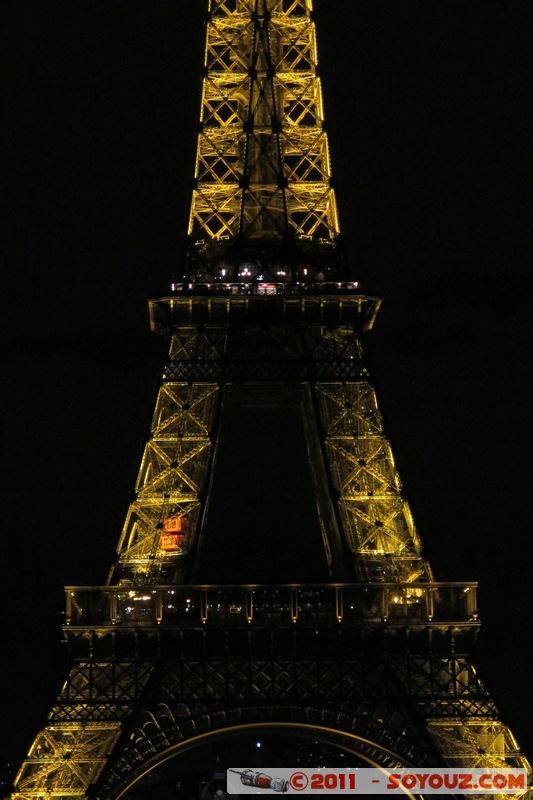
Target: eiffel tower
(266,438)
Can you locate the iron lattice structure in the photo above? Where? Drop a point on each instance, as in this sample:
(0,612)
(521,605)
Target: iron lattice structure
(262,166)
(265,326)
(263,206)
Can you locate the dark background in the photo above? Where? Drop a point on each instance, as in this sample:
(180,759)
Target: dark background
(426,108)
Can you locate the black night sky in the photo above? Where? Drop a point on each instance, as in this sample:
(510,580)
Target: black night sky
(426,104)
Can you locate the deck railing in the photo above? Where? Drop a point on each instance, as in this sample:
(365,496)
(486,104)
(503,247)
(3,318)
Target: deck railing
(348,604)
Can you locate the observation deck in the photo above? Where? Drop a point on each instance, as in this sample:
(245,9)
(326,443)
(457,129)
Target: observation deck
(354,605)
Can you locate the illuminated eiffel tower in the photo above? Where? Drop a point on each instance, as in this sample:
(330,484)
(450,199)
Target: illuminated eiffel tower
(270,581)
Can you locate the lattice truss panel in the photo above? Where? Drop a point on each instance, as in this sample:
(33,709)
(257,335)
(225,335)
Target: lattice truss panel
(334,352)
(276,343)
(376,518)
(475,742)
(263,354)
(441,686)
(262,166)
(174,464)
(101,690)
(65,760)
(437,687)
